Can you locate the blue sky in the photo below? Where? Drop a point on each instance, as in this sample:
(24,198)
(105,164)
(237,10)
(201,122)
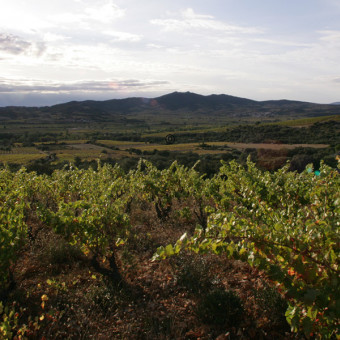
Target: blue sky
(61,50)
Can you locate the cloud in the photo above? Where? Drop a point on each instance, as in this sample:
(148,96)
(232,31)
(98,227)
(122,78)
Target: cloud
(103,13)
(123,36)
(330,37)
(12,44)
(31,92)
(154,46)
(281,42)
(53,37)
(34,86)
(191,21)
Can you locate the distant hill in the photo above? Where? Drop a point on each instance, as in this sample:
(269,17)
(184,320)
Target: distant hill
(170,105)
(336,103)
(193,101)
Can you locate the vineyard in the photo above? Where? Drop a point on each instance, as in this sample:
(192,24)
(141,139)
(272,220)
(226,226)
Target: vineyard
(170,254)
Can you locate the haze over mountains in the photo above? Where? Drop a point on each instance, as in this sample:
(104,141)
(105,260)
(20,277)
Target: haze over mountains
(173,104)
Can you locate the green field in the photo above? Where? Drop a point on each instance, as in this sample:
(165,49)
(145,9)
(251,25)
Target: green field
(309,121)
(67,150)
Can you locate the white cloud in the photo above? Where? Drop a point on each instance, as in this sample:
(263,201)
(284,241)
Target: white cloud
(102,13)
(155,46)
(190,14)
(224,50)
(189,20)
(123,36)
(105,13)
(15,18)
(281,42)
(52,37)
(330,37)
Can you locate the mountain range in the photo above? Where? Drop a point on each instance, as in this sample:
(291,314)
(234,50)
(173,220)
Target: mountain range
(173,104)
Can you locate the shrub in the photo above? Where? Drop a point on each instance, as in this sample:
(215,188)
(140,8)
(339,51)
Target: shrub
(272,305)
(193,274)
(220,307)
(60,252)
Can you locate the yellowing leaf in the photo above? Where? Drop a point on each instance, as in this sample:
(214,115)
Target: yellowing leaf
(44,297)
(169,250)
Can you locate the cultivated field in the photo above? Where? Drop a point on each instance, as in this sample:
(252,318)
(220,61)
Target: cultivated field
(67,150)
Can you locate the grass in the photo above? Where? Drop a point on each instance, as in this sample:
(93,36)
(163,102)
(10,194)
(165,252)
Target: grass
(86,151)
(66,141)
(21,155)
(206,129)
(88,154)
(308,121)
(19,158)
(25,150)
(272,146)
(195,147)
(24,155)
(118,143)
(192,130)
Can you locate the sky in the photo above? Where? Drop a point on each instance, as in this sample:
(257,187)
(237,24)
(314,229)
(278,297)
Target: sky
(56,51)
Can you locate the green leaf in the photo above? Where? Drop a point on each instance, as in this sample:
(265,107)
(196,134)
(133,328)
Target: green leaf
(242,251)
(312,313)
(169,250)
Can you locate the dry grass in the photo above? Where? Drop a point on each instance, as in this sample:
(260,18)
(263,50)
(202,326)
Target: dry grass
(87,151)
(303,122)
(119,143)
(195,147)
(273,146)
(19,158)
(21,155)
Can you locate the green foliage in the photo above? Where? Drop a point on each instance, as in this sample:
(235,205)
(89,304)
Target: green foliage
(160,187)
(287,225)
(89,208)
(284,223)
(220,307)
(11,326)
(8,321)
(15,192)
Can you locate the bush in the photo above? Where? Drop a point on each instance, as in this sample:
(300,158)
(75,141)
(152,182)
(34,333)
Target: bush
(220,307)
(59,252)
(193,274)
(272,305)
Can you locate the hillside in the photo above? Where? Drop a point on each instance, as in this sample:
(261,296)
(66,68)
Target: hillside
(170,106)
